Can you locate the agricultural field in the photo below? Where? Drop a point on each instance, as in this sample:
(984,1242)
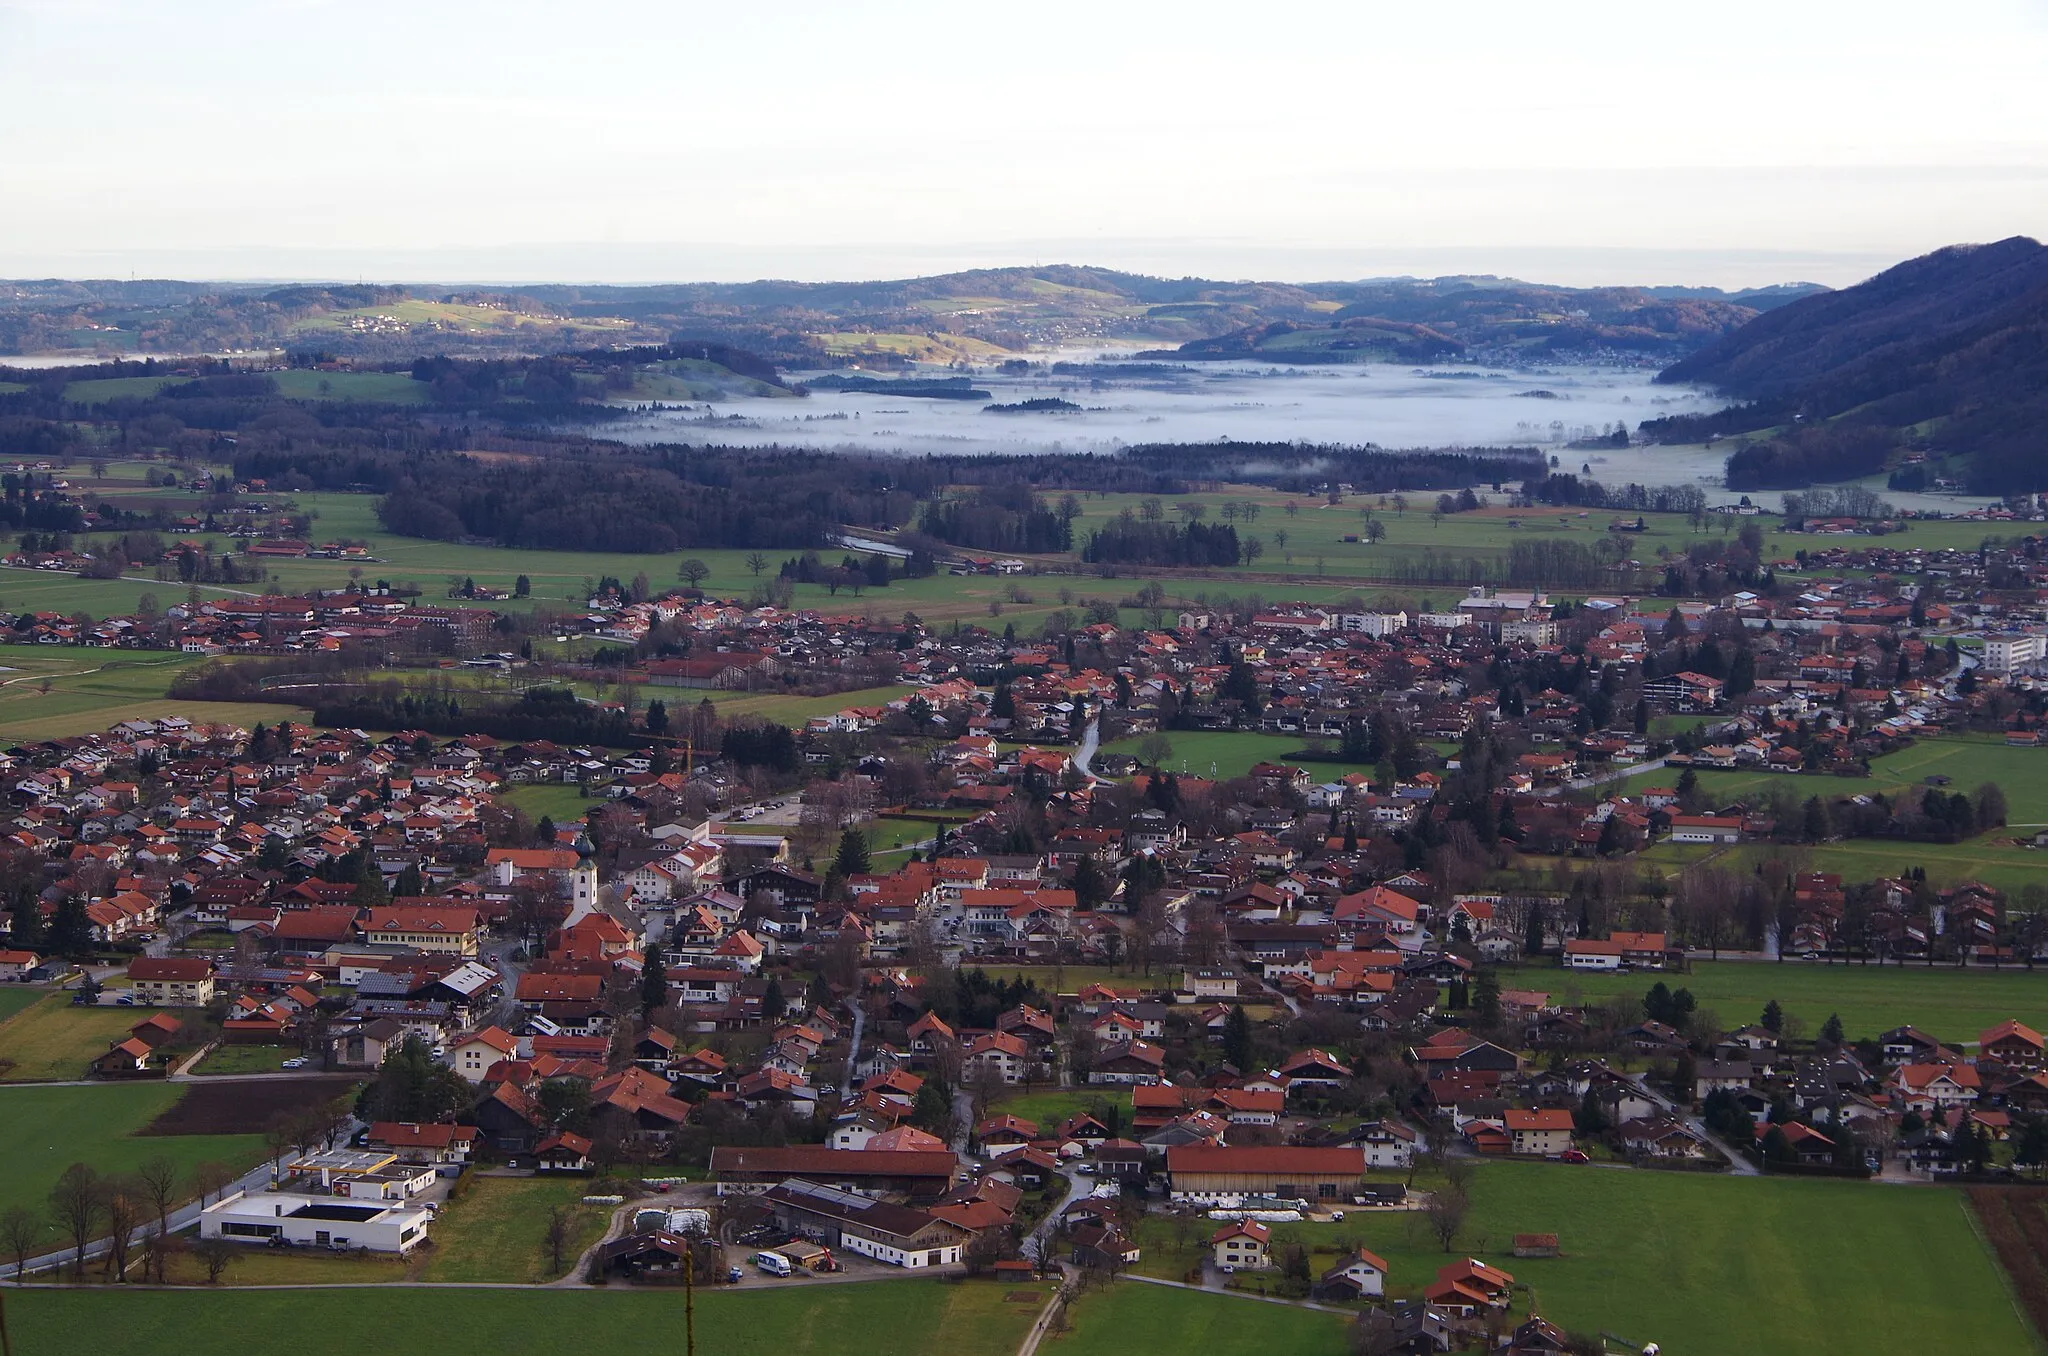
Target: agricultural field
(1998,858)
(783,710)
(1702,1263)
(757,1318)
(391,388)
(245,1059)
(492,1230)
(50,1128)
(1951,1004)
(1131,1314)
(52,1040)
(1967,761)
(1222,755)
(17,998)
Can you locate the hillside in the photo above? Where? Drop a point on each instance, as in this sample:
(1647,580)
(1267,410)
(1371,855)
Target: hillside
(1494,320)
(1948,351)
(977,316)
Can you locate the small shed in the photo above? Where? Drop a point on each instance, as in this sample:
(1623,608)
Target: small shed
(1536,1245)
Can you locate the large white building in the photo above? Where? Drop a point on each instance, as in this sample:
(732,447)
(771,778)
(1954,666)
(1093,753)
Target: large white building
(317,1221)
(1372,623)
(2004,653)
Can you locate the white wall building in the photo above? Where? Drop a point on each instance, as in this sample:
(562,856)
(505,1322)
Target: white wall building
(2004,653)
(317,1221)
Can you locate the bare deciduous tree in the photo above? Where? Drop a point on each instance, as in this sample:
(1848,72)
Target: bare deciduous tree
(75,1205)
(20,1230)
(1446,1212)
(212,1179)
(555,1237)
(125,1206)
(216,1255)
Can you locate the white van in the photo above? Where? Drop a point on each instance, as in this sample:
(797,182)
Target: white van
(774,1263)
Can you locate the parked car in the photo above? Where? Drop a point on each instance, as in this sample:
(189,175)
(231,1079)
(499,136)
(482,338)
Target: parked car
(295,1062)
(1574,1156)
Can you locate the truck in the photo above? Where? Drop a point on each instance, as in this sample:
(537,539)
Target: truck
(774,1263)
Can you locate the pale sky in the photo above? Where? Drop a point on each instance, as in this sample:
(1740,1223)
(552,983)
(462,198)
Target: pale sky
(617,141)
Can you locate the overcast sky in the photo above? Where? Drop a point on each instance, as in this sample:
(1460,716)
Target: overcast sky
(611,140)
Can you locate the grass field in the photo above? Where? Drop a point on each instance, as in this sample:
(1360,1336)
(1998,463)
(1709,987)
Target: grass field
(492,1232)
(93,689)
(564,804)
(1223,754)
(1995,858)
(1132,1316)
(17,998)
(1710,1264)
(1967,761)
(789,1318)
(1070,978)
(1050,1107)
(244,1059)
(48,1129)
(1948,1003)
(54,1040)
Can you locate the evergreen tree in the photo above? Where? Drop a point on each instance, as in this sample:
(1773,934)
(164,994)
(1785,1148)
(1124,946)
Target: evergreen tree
(1831,1030)
(653,980)
(1237,1039)
(1774,1017)
(1532,932)
(657,717)
(410,883)
(370,890)
(25,923)
(852,857)
(773,1004)
(1486,1000)
(1087,885)
(544,832)
(70,929)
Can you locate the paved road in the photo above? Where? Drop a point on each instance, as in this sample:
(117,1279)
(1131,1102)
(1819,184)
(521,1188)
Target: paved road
(860,1020)
(1738,1165)
(1034,1244)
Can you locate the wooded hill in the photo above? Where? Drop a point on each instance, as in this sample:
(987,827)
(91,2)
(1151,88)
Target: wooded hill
(980,315)
(1948,351)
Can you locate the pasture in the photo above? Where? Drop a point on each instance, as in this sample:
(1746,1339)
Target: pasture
(1951,1004)
(492,1229)
(50,1128)
(1131,1315)
(52,1040)
(1704,1264)
(757,1318)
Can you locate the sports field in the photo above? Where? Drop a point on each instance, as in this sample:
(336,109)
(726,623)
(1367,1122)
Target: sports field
(760,1317)
(1951,1004)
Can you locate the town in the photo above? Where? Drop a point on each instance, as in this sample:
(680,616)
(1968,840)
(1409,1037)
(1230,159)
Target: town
(1187,953)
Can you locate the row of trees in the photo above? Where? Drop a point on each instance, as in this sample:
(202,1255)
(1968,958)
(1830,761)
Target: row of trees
(84,1204)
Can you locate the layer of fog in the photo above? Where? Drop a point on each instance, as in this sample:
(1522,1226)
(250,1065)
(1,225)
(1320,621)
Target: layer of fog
(1383,404)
